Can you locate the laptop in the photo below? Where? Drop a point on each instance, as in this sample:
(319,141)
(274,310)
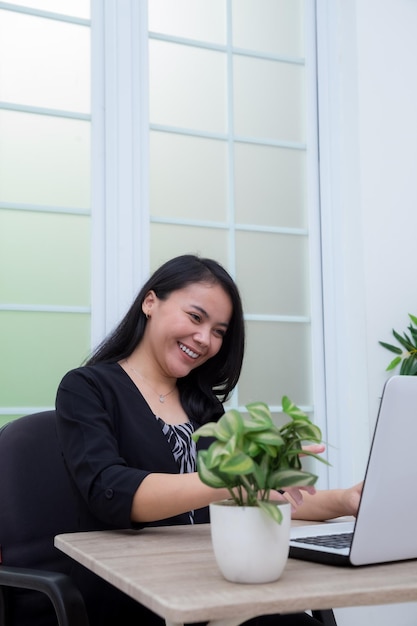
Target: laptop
(385,528)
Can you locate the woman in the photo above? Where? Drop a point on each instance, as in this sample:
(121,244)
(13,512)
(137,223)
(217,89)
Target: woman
(126,418)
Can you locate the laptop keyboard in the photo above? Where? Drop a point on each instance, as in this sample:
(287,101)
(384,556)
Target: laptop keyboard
(339,541)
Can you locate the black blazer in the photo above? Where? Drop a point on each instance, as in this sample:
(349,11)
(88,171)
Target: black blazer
(111,441)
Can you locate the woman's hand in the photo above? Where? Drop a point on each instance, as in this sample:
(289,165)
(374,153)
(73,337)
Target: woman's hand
(294,495)
(350,499)
(327,503)
(316,448)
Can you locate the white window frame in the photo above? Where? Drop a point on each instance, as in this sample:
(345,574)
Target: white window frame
(120,194)
(346,375)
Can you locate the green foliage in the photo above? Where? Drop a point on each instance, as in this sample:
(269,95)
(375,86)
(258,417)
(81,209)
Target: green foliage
(407,353)
(251,455)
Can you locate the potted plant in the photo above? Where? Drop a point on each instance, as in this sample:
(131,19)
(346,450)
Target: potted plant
(250,457)
(407,353)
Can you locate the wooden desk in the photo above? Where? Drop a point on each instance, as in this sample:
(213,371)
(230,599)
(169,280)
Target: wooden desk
(172,571)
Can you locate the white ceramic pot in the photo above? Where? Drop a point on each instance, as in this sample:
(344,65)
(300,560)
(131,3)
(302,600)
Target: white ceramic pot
(249,546)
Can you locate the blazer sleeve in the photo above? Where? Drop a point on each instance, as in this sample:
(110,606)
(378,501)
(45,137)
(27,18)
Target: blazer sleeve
(86,422)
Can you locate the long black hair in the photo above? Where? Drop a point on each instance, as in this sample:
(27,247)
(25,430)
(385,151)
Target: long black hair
(204,389)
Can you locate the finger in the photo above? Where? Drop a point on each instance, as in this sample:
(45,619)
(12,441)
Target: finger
(316,448)
(294,495)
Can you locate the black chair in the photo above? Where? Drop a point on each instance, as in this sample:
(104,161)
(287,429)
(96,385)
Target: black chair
(37,503)
(325,616)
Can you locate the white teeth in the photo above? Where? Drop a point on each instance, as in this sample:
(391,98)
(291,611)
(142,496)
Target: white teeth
(190,353)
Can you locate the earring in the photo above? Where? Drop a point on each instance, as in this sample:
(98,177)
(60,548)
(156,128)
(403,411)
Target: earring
(148,317)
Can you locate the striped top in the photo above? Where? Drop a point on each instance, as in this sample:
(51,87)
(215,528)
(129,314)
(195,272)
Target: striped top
(183,447)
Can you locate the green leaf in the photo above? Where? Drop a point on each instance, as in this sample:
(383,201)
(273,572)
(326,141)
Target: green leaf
(413,368)
(260,416)
(409,341)
(291,478)
(318,457)
(404,341)
(292,410)
(273,510)
(266,438)
(260,475)
(253,449)
(254,425)
(413,318)
(404,367)
(231,445)
(229,424)
(292,460)
(214,455)
(390,347)
(413,332)
(207,430)
(308,432)
(237,464)
(259,411)
(408,366)
(393,363)
(408,353)
(212,479)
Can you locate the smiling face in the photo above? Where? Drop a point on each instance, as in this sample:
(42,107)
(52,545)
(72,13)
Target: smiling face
(186,329)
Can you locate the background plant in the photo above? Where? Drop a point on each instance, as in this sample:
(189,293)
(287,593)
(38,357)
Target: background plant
(251,455)
(407,353)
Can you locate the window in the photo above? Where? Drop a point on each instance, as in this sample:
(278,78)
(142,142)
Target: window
(208,145)
(230,152)
(44,198)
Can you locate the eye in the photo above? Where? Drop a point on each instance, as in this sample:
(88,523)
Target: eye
(219,332)
(195,316)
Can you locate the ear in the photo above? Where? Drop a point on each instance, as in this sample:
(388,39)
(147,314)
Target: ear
(149,302)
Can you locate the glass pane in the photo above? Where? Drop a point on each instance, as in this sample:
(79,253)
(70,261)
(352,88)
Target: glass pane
(192,19)
(75,8)
(31,74)
(270,186)
(188,177)
(269,99)
(271,26)
(50,345)
(168,241)
(272,272)
(4,419)
(44,258)
(44,160)
(187,87)
(277,362)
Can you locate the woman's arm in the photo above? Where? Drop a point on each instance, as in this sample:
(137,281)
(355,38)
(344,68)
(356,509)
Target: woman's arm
(164,495)
(327,504)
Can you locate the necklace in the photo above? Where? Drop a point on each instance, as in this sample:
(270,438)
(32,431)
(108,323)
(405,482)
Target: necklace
(161,396)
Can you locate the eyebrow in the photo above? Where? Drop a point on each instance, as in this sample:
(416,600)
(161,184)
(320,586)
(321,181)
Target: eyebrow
(206,315)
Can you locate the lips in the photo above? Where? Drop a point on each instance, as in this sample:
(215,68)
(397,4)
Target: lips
(188,352)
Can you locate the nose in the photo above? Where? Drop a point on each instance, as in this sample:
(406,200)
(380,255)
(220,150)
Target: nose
(202,337)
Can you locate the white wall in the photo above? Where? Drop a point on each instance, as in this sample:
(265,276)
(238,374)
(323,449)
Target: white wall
(368,127)
(368,95)
(387,77)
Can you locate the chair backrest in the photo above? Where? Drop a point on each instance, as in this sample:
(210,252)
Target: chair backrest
(36,497)
(37,502)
